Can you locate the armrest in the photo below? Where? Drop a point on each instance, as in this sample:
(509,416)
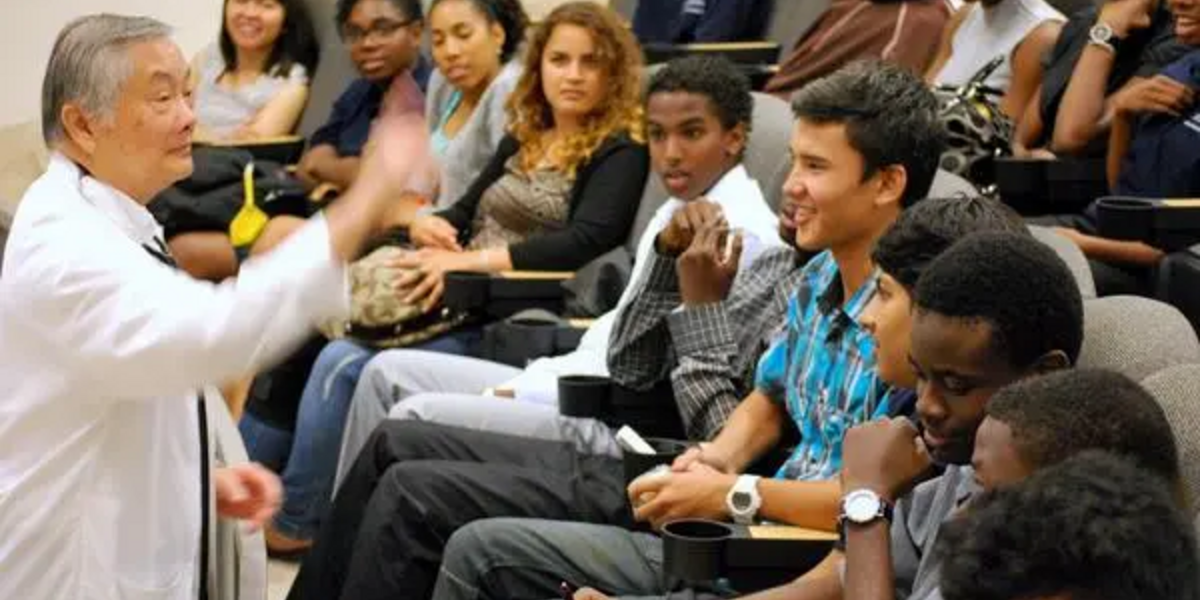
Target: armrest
(502,294)
(742,53)
(536,275)
(1035,186)
(752,557)
(267,141)
(285,149)
(1170,224)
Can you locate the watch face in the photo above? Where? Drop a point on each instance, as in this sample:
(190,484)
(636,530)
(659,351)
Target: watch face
(861,506)
(1101,32)
(741,500)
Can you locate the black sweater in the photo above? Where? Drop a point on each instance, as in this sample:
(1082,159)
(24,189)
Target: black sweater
(602,205)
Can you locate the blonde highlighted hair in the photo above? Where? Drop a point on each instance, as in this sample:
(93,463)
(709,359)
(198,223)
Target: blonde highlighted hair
(620,110)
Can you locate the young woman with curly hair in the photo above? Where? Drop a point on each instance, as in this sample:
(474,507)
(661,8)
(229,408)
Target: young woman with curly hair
(564,184)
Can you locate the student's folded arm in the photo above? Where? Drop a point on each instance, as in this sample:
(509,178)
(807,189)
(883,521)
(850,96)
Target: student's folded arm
(601,219)
(1027,68)
(1084,111)
(146,330)
(1029,127)
(340,171)
(809,504)
(639,349)
(280,115)
(1117,251)
(704,381)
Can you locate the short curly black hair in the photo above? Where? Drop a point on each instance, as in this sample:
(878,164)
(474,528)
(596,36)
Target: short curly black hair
(715,78)
(1092,528)
(891,118)
(508,14)
(1015,284)
(931,226)
(1061,414)
(411,9)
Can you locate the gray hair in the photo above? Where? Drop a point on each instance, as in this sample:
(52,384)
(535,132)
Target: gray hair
(90,63)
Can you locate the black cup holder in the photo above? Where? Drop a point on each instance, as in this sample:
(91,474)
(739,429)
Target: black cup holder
(586,396)
(1126,218)
(466,291)
(694,549)
(751,557)
(1037,186)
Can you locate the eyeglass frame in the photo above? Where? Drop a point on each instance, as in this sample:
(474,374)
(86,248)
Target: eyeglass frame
(380,28)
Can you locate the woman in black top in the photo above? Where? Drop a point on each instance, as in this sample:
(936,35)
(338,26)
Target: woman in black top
(564,185)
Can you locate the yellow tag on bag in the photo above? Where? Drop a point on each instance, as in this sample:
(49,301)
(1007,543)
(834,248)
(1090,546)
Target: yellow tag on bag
(250,221)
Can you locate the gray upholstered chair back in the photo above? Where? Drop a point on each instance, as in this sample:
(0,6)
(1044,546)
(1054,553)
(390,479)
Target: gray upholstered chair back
(1071,254)
(334,72)
(766,160)
(1177,390)
(1136,336)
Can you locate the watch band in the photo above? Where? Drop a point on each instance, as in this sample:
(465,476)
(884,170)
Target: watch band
(1104,45)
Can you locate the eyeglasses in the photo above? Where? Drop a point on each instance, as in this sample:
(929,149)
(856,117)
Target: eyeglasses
(380,29)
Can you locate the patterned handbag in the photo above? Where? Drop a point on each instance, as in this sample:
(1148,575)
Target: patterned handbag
(379,317)
(977,131)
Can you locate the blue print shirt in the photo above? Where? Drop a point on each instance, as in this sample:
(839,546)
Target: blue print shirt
(822,369)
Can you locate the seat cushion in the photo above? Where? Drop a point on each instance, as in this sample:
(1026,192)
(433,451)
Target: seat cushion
(23,158)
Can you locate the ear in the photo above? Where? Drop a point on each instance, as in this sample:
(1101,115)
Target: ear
(78,127)
(1055,360)
(892,181)
(735,140)
(499,35)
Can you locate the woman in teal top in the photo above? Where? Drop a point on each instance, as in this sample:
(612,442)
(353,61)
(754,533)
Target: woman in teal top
(474,42)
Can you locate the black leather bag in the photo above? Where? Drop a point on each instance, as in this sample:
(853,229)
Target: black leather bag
(213,195)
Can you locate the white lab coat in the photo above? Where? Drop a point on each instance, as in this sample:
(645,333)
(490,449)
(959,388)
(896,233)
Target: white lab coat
(744,207)
(101,350)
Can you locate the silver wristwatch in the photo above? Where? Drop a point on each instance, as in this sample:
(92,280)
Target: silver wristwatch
(1101,34)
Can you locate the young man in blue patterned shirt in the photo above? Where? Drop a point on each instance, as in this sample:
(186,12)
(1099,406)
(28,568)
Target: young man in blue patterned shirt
(866,145)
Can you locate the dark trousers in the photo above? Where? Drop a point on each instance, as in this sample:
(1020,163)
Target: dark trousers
(415,483)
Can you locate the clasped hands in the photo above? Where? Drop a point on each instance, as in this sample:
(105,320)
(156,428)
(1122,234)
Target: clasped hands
(695,488)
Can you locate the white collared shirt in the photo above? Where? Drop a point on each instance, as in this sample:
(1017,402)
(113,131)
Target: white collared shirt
(744,207)
(101,349)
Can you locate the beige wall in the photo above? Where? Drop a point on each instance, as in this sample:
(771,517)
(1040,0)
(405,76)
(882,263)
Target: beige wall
(28,28)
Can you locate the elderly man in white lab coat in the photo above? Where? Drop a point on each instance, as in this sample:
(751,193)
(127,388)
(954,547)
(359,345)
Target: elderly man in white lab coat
(104,346)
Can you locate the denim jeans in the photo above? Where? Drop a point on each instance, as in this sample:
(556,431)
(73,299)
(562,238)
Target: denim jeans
(307,459)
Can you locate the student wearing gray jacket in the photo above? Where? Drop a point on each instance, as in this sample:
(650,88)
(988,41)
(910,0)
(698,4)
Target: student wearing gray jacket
(473,44)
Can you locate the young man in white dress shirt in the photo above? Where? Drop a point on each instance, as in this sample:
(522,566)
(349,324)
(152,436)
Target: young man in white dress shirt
(698,113)
(104,346)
